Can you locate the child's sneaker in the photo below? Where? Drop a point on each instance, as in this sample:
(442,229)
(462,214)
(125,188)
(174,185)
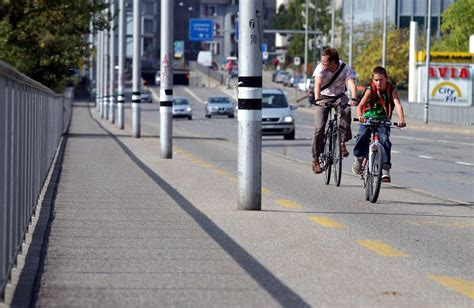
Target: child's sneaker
(386,176)
(357,165)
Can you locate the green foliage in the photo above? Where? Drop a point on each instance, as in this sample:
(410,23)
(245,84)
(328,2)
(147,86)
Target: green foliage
(367,52)
(44,39)
(291,18)
(457,25)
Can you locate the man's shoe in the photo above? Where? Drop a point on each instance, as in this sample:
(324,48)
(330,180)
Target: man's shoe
(344,151)
(386,176)
(357,165)
(316,167)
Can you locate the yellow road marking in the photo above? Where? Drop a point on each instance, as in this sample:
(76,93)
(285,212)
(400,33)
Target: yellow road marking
(462,286)
(197,161)
(265,190)
(222,172)
(381,248)
(207,165)
(326,222)
(288,204)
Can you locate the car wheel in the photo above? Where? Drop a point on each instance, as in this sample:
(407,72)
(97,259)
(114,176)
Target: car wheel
(190,118)
(230,115)
(289,136)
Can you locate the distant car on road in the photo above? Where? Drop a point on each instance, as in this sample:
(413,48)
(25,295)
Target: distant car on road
(182,108)
(277,115)
(219,105)
(281,75)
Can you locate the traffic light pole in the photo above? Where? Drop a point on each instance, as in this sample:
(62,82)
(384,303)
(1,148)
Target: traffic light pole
(166,83)
(249,160)
(112,64)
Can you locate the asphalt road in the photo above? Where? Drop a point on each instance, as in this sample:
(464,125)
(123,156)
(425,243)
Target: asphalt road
(416,240)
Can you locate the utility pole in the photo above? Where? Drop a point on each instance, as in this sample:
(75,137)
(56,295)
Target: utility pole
(305,68)
(105,101)
(166,84)
(91,59)
(351,26)
(98,66)
(121,64)
(333,22)
(384,38)
(112,64)
(249,160)
(428,50)
(137,59)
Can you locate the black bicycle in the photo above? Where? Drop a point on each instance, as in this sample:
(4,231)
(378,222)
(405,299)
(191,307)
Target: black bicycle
(331,158)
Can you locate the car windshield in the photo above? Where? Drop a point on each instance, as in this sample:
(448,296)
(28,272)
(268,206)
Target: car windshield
(274,101)
(219,100)
(180,101)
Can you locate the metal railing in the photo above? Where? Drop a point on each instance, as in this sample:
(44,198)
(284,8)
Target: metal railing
(32,121)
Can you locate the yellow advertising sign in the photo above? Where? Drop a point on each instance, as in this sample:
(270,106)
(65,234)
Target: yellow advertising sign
(446,57)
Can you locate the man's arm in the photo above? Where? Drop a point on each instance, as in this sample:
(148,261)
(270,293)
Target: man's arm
(353,89)
(399,108)
(317,87)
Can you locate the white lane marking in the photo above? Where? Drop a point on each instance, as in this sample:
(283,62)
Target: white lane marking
(396,152)
(464,163)
(424,156)
(431,140)
(193,95)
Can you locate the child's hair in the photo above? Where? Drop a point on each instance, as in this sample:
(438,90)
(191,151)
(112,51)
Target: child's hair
(380,71)
(332,55)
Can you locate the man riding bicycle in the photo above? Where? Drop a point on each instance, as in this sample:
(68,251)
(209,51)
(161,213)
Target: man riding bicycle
(377,102)
(330,78)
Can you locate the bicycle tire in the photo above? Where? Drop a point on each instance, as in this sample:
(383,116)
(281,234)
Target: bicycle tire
(376,173)
(337,155)
(327,154)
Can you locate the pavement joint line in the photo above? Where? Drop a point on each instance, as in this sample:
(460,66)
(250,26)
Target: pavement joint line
(381,248)
(460,285)
(326,222)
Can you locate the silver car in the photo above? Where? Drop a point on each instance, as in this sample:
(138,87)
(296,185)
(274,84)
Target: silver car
(277,115)
(219,105)
(182,108)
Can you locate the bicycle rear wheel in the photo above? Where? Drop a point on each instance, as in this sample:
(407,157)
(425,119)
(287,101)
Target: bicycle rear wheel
(337,155)
(375,173)
(327,155)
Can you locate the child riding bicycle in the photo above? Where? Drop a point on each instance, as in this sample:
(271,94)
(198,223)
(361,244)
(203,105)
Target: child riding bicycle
(377,102)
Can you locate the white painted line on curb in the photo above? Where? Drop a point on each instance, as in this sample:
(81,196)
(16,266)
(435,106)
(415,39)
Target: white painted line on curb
(464,163)
(193,95)
(424,156)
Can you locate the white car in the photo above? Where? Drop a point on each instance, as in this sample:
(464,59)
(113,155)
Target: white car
(182,108)
(277,115)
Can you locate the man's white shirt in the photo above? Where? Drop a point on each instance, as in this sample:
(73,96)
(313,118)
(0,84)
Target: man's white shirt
(339,85)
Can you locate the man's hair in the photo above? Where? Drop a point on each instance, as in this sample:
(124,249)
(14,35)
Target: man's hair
(332,55)
(379,70)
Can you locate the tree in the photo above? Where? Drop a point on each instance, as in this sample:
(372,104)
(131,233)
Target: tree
(457,26)
(291,17)
(44,39)
(367,52)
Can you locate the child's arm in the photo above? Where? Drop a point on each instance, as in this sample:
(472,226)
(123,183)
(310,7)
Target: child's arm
(364,100)
(399,108)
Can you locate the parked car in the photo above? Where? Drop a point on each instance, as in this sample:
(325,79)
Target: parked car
(182,108)
(280,76)
(158,78)
(277,115)
(219,105)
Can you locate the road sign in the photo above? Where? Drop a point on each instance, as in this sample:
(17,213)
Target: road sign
(297,61)
(178,49)
(201,29)
(264,51)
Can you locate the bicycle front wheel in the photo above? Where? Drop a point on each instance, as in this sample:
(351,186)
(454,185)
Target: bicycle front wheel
(327,155)
(337,155)
(375,173)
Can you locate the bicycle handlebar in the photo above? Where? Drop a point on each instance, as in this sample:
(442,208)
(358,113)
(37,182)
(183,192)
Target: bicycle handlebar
(375,122)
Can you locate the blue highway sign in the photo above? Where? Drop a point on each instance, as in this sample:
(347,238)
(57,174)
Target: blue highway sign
(201,29)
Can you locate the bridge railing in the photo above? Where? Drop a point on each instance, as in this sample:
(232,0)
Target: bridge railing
(32,121)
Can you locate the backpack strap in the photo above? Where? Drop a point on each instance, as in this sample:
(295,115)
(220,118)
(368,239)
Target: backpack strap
(334,77)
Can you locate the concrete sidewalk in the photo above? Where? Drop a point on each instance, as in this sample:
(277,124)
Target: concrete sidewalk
(121,236)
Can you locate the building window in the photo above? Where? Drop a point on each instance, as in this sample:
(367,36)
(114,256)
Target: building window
(147,44)
(148,26)
(209,10)
(217,29)
(148,8)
